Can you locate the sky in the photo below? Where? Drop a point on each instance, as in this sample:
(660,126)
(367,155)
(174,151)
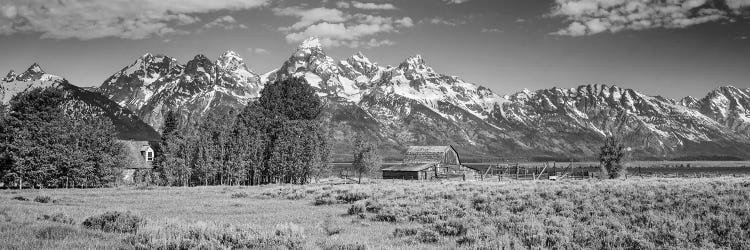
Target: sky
(672,48)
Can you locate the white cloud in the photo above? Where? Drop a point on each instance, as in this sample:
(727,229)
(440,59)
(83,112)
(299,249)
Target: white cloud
(455,1)
(335,28)
(308,17)
(258,51)
(373,6)
(443,21)
(225,22)
(128,19)
(491,30)
(405,22)
(587,17)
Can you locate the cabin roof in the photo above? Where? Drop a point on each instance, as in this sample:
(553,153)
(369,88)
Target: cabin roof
(409,167)
(145,148)
(425,154)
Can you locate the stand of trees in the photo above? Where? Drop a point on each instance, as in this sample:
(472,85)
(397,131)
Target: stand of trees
(42,146)
(280,138)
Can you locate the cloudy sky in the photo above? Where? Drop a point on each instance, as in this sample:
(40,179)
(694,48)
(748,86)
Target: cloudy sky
(672,48)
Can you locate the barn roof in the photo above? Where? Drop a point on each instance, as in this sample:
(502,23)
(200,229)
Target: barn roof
(424,154)
(409,167)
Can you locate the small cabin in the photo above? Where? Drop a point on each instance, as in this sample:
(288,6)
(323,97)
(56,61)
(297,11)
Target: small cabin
(140,157)
(429,162)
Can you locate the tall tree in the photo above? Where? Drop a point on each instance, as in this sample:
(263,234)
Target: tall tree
(5,139)
(293,99)
(249,140)
(366,158)
(172,163)
(171,124)
(611,156)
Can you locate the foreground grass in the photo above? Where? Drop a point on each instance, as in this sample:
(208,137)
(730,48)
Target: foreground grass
(652,213)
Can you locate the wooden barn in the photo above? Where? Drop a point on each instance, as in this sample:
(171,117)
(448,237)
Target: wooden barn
(429,162)
(140,158)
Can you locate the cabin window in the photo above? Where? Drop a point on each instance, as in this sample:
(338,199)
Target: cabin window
(149,156)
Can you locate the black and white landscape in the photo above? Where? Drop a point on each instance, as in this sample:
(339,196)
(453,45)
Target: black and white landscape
(375,124)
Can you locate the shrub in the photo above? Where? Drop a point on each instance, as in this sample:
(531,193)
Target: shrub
(239,195)
(338,244)
(480,202)
(388,214)
(58,217)
(54,232)
(20,198)
(116,222)
(451,228)
(42,199)
(428,236)
(349,197)
(324,200)
(356,208)
(373,206)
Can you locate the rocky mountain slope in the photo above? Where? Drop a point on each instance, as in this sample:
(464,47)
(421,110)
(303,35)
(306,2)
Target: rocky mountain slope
(412,104)
(127,124)
(155,84)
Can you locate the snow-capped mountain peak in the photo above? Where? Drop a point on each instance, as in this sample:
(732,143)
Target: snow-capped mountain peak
(35,68)
(231,61)
(416,65)
(33,73)
(360,69)
(199,65)
(312,43)
(688,101)
(11,76)
(33,77)
(360,57)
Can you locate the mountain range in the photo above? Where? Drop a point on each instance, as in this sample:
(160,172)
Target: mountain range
(412,104)
(84,102)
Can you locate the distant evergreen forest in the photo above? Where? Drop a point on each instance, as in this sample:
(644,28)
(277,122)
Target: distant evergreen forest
(280,138)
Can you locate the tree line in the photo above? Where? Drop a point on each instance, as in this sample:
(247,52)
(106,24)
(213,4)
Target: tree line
(43,146)
(279,138)
(282,137)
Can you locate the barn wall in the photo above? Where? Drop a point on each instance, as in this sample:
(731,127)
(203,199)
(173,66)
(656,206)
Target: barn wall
(402,175)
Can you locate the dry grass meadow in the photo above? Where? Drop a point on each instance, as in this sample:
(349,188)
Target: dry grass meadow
(650,213)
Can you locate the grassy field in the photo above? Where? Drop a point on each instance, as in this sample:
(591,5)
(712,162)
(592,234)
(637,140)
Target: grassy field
(650,213)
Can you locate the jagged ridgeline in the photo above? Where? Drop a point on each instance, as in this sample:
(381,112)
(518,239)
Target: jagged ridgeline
(412,104)
(79,101)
